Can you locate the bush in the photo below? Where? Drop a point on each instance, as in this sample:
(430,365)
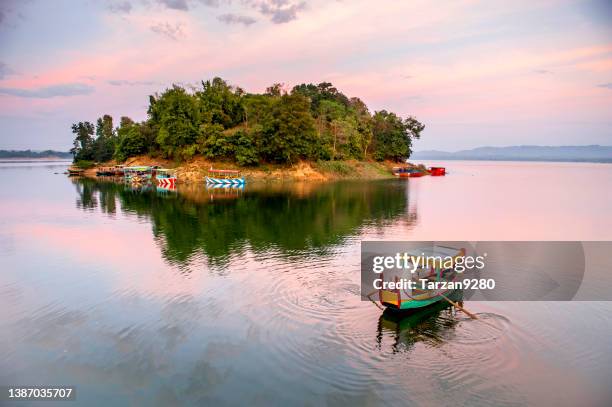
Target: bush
(84,164)
(245,148)
(337,167)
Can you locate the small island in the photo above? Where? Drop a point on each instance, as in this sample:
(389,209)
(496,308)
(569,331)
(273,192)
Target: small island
(310,132)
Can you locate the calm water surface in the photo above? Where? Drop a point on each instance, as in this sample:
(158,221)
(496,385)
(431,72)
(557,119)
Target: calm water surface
(252,297)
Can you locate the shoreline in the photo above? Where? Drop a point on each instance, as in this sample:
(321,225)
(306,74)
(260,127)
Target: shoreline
(195,169)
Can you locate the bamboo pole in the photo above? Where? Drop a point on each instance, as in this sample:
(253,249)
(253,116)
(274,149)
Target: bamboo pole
(374,302)
(459,307)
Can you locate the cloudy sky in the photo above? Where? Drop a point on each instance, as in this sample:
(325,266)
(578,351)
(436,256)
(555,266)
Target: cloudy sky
(475,72)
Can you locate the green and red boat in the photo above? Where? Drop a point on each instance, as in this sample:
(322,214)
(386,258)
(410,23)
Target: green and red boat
(435,271)
(407,172)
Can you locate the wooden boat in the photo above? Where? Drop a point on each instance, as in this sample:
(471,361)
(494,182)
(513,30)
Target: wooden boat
(406,172)
(437,171)
(224,177)
(74,171)
(405,298)
(137,174)
(105,171)
(118,170)
(166,178)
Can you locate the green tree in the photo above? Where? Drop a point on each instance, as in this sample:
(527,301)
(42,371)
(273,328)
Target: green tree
(347,138)
(276,90)
(131,140)
(220,103)
(105,143)
(245,146)
(414,129)
(104,127)
(318,93)
(329,117)
(257,108)
(289,131)
(364,126)
(179,120)
(393,136)
(83,141)
(212,142)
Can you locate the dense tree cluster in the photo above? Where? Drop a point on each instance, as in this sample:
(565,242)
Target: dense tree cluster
(219,121)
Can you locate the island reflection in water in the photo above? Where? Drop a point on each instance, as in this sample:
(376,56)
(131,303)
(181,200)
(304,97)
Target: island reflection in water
(219,222)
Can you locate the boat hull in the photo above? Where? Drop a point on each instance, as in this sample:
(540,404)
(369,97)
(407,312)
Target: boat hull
(389,299)
(225,181)
(437,171)
(169,182)
(409,174)
(75,171)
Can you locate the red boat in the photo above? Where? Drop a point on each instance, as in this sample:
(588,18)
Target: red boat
(437,171)
(403,172)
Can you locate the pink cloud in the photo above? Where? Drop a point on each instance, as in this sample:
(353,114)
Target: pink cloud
(432,60)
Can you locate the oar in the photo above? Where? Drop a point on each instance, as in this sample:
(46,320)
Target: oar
(459,307)
(374,302)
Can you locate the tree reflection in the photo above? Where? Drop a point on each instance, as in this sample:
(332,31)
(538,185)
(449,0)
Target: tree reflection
(218,223)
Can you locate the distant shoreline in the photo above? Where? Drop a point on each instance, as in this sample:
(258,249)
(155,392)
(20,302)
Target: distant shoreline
(34,155)
(542,160)
(34,160)
(590,153)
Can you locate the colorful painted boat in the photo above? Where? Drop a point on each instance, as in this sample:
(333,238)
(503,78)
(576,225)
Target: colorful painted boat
(105,171)
(437,171)
(405,172)
(405,298)
(75,171)
(224,177)
(137,174)
(166,178)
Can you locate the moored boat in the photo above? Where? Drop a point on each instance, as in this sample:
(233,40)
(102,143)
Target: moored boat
(224,177)
(74,171)
(437,171)
(406,172)
(166,178)
(105,171)
(137,174)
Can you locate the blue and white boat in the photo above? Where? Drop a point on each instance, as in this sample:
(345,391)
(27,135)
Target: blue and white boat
(224,177)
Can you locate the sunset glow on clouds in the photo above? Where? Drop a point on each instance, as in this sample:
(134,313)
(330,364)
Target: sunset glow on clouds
(475,72)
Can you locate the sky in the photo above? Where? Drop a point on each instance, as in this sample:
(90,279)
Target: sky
(474,72)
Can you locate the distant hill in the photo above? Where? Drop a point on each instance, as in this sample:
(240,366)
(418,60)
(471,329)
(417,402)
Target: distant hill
(593,153)
(34,154)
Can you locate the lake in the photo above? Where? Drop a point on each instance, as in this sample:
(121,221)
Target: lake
(252,297)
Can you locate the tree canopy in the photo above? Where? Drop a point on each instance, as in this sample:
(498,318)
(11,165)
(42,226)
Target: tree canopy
(220,121)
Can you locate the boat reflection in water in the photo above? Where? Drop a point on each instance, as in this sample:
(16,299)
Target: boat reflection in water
(166,190)
(224,191)
(430,325)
